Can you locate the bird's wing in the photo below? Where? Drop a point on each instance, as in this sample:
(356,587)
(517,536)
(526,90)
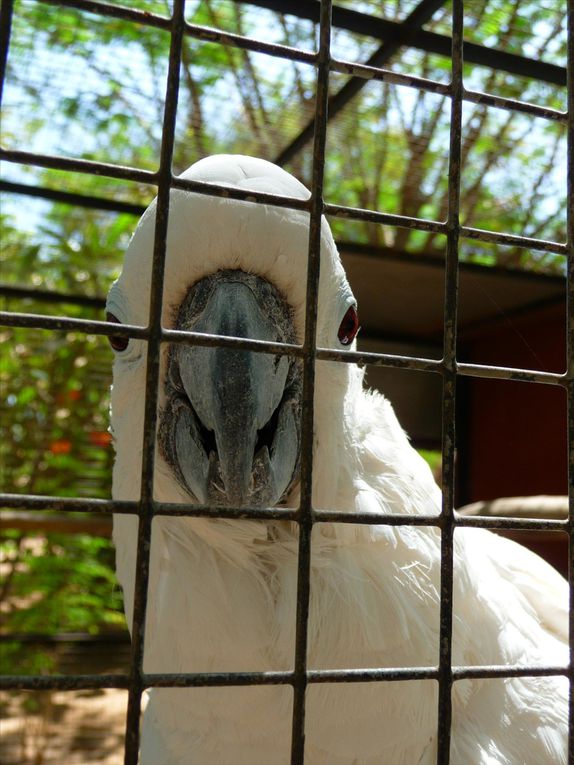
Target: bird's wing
(543,588)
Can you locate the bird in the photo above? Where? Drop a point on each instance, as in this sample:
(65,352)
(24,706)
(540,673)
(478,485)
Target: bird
(222,594)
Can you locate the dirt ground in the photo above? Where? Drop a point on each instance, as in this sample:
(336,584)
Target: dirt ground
(72,727)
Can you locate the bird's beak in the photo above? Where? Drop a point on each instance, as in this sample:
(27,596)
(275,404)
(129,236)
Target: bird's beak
(231,425)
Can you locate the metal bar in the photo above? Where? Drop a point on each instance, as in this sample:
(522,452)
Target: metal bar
(207,34)
(570,363)
(62,682)
(6,11)
(39,321)
(115,11)
(509,373)
(197,31)
(512,239)
(151,388)
(237,679)
(229,192)
(388,219)
(308,394)
(47,296)
(106,506)
(445,679)
(121,172)
(512,104)
(85,166)
(432,86)
(422,13)
(78,200)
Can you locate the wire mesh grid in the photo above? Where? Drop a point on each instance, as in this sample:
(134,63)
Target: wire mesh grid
(448,367)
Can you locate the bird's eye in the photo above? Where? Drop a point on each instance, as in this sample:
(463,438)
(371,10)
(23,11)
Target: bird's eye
(349,326)
(117,342)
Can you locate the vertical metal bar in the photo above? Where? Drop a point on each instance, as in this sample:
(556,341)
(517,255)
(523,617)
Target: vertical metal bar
(6,11)
(305,507)
(570,358)
(449,391)
(152,381)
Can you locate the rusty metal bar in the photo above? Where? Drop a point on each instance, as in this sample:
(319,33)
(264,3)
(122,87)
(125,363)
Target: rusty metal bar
(307,413)
(63,682)
(512,240)
(570,361)
(137,685)
(88,201)
(449,393)
(235,679)
(85,166)
(106,506)
(6,11)
(433,86)
(514,105)
(42,322)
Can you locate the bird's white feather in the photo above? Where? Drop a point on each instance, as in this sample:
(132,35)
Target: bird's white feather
(222,593)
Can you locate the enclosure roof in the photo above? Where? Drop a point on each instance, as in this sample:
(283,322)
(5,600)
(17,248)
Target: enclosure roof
(401,296)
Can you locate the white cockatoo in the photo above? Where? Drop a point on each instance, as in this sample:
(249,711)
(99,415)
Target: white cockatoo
(222,593)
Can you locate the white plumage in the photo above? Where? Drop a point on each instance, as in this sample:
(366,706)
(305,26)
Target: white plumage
(222,593)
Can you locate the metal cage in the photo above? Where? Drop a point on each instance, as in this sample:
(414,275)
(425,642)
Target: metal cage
(136,681)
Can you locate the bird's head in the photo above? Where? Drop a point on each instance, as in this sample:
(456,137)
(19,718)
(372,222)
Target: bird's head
(229,419)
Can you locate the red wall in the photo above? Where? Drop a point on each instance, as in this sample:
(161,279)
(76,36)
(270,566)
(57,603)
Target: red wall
(513,438)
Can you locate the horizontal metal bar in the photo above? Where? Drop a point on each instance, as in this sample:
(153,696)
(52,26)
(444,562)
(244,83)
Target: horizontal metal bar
(77,638)
(513,240)
(67,504)
(366,72)
(144,18)
(387,219)
(392,361)
(245,195)
(121,172)
(210,679)
(63,682)
(67,197)
(85,166)
(224,341)
(61,523)
(109,506)
(197,31)
(501,671)
(513,105)
(440,88)
(510,373)
(208,34)
(235,679)
(511,524)
(48,296)
(96,505)
(389,360)
(65,324)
